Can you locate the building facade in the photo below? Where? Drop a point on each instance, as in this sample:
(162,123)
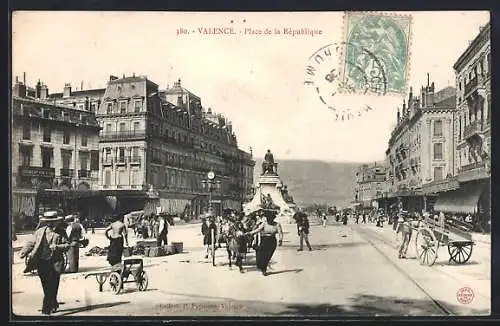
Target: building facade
(472,135)
(421,147)
(55,149)
(370,184)
(163,142)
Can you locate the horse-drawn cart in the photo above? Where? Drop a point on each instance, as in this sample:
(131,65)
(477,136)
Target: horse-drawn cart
(448,232)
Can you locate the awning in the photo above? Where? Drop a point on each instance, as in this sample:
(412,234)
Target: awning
(462,201)
(174,206)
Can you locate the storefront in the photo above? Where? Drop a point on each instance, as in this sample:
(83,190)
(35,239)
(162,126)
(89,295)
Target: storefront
(473,197)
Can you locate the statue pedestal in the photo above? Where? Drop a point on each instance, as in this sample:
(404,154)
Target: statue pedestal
(269,185)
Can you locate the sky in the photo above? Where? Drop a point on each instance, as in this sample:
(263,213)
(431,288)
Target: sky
(255,80)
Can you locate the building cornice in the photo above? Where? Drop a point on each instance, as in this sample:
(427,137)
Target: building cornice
(473,48)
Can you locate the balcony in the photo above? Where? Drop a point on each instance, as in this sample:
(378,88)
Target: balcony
(37,172)
(473,128)
(123,135)
(67,173)
(470,86)
(84,173)
(472,166)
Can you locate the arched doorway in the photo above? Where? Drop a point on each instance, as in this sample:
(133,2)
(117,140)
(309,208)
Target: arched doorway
(83,186)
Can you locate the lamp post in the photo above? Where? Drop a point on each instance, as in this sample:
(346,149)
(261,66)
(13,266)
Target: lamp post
(210,184)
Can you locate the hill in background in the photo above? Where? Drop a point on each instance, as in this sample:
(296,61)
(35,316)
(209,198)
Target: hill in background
(309,181)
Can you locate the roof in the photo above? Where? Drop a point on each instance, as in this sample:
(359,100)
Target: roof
(449,102)
(475,43)
(96,91)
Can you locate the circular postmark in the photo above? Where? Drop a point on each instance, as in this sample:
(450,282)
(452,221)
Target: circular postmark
(331,83)
(465,295)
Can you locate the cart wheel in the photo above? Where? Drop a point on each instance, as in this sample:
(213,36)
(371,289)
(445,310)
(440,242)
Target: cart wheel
(427,246)
(115,282)
(460,252)
(142,283)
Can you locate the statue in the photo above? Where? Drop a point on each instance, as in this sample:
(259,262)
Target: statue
(267,202)
(268,164)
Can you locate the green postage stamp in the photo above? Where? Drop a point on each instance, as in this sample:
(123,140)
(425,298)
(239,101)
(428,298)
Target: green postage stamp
(376,52)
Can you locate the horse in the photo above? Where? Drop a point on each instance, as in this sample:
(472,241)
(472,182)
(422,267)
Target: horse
(236,243)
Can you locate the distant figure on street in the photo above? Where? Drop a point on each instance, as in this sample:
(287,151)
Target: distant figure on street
(325,219)
(116,233)
(162,230)
(364,218)
(405,228)
(75,232)
(303,229)
(344,219)
(208,227)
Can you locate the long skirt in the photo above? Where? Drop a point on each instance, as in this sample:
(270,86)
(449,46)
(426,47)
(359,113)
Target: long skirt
(265,252)
(115,250)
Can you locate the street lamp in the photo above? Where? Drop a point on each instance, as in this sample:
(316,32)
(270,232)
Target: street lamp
(210,184)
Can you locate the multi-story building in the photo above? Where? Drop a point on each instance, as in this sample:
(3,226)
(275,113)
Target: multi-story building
(472,125)
(421,147)
(370,184)
(163,140)
(55,149)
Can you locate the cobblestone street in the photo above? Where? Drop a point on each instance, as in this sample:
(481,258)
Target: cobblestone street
(337,278)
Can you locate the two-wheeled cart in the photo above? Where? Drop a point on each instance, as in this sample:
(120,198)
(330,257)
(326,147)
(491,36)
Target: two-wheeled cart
(119,274)
(448,232)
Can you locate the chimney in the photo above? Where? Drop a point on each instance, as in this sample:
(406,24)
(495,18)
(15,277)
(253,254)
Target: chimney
(399,115)
(177,83)
(24,78)
(38,89)
(404,109)
(81,86)
(19,89)
(44,92)
(67,90)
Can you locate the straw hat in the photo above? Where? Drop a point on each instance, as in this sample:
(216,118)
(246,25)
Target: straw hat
(51,216)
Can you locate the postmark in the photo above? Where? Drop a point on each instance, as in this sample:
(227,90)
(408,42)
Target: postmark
(334,91)
(370,37)
(465,295)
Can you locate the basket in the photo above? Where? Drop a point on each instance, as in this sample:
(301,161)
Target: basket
(178,247)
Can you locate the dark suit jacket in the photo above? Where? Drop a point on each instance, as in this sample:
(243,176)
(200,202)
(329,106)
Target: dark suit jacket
(303,223)
(33,245)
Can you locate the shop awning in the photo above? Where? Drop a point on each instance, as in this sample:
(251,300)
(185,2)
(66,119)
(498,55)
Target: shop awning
(440,186)
(462,201)
(174,206)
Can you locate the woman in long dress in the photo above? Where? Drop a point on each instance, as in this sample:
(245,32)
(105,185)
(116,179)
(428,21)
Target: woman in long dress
(268,230)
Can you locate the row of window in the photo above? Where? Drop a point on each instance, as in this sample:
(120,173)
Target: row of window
(478,69)
(47,135)
(123,107)
(47,156)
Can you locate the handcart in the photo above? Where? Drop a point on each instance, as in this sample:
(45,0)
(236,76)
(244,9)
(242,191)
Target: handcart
(448,232)
(120,273)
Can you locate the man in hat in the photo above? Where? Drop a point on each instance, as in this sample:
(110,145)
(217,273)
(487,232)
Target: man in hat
(46,255)
(116,233)
(405,228)
(302,229)
(209,231)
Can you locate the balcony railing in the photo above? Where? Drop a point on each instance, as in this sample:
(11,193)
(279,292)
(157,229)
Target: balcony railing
(84,173)
(472,166)
(470,86)
(66,173)
(121,160)
(472,128)
(123,135)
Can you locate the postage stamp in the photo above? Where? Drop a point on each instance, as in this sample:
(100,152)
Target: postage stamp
(376,45)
